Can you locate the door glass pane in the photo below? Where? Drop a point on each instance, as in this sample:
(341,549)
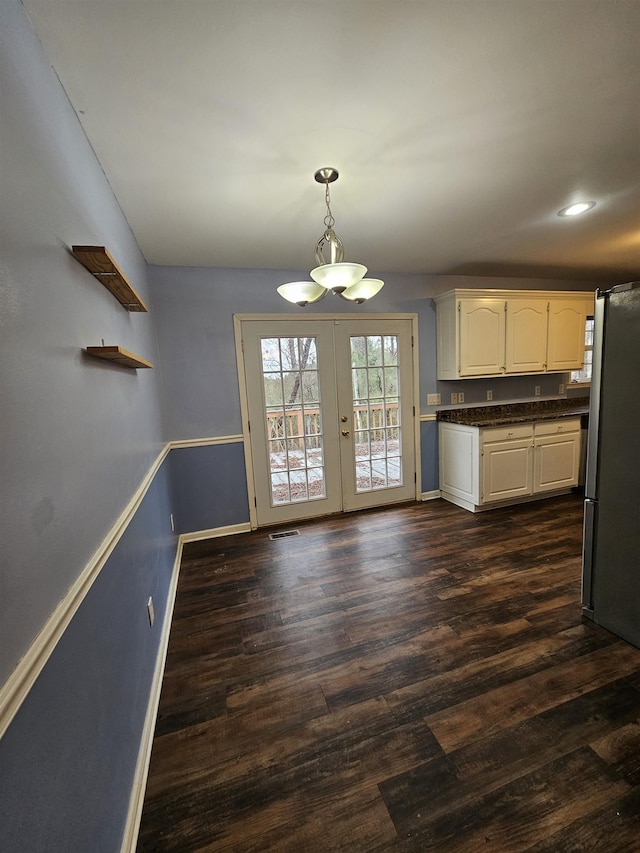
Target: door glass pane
(360,387)
(293,419)
(376,412)
(391,382)
(390,350)
(310,389)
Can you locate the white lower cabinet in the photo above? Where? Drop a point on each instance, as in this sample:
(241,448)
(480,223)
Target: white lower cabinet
(507,466)
(485,467)
(556,455)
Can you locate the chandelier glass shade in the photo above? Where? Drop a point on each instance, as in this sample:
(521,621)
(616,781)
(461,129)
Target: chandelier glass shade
(363,290)
(335,275)
(302,292)
(338,277)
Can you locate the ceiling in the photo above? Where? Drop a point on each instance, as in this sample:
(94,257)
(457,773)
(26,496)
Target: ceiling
(459,128)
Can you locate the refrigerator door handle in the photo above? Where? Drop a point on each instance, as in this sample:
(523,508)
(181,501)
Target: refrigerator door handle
(588,545)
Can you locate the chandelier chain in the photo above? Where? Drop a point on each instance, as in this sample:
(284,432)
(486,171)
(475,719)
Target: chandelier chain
(329,221)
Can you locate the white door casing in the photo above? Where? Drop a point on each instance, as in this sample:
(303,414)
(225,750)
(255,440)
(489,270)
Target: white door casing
(313,448)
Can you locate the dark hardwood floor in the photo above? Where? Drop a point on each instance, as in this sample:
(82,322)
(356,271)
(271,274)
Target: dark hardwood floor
(413,679)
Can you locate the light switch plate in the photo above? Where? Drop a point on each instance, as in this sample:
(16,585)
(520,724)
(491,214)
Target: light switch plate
(433,399)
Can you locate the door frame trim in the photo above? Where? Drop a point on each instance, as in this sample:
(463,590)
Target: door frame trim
(238,319)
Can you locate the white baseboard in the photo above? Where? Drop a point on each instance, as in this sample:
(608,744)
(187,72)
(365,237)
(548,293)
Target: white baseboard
(214,532)
(431,496)
(136,801)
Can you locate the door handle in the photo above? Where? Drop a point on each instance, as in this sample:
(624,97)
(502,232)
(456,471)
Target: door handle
(346,432)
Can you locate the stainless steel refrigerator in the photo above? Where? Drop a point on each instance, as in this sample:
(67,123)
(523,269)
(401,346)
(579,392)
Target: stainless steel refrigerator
(611,548)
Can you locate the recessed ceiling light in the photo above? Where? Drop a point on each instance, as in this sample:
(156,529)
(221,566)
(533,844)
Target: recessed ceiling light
(575,209)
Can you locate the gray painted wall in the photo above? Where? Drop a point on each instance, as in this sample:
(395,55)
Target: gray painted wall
(77,435)
(194,312)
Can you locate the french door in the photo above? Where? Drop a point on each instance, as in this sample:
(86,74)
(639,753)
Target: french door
(330,409)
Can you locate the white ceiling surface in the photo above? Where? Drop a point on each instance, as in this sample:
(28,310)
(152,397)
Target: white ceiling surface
(459,127)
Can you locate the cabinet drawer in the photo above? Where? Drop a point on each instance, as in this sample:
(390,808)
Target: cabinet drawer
(557,427)
(506,433)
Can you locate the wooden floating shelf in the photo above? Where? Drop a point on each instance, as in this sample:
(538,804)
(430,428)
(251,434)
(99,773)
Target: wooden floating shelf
(101,265)
(119,356)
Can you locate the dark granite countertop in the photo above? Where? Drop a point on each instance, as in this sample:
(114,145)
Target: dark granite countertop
(513,413)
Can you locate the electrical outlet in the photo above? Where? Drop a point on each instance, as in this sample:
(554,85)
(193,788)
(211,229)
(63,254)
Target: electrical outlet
(433,399)
(454,398)
(150,611)
(561,388)
(461,396)
(489,394)
(537,390)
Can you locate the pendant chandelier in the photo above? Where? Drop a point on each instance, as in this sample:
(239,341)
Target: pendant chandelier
(334,275)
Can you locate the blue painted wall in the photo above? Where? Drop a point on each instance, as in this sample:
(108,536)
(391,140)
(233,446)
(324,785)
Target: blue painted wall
(68,759)
(194,312)
(77,437)
(209,487)
(194,308)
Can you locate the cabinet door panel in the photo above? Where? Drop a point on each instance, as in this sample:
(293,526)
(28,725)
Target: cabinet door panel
(482,326)
(566,335)
(459,461)
(506,470)
(557,462)
(446,355)
(526,336)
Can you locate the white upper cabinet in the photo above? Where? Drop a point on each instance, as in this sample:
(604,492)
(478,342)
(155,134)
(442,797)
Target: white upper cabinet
(481,324)
(565,348)
(510,332)
(526,348)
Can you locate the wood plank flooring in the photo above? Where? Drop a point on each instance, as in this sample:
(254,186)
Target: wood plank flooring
(410,679)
